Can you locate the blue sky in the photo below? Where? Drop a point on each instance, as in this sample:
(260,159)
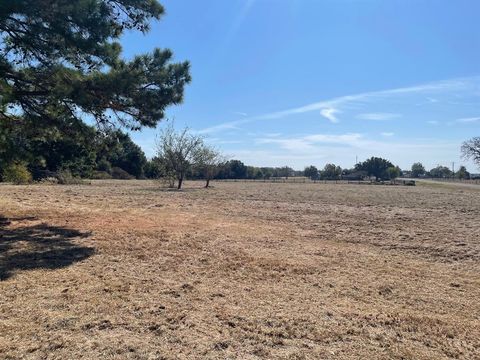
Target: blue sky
(300,82)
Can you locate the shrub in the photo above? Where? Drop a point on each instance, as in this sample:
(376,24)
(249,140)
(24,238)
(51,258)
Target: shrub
(104,166)
(17,174)
(65,177)
(101,175)
(120,174)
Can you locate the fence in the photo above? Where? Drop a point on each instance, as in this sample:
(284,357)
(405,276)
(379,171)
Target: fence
(303,180)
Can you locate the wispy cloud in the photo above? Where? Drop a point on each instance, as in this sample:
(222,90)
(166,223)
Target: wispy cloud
(432,122)
(468,120)
(308,142)
(273,134)
(329,108)
(387,134)
(378,116)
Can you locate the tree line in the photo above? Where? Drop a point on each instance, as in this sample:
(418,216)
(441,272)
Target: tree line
(438,172)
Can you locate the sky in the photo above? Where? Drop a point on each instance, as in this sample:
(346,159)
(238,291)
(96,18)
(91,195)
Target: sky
(310,82)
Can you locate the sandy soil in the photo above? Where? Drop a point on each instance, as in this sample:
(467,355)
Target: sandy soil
(127,270)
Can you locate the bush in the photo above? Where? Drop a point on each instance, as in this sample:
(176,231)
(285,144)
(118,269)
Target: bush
(120,174)
(17,174)
(101,175)
(104,166)
(65,177)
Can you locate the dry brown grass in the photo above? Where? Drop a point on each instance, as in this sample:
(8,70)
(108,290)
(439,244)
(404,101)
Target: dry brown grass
(125,270)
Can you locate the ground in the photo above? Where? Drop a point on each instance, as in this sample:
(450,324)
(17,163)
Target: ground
(128,270)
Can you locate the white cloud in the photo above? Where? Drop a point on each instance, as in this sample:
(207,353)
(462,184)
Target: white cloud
(329,113)
(378,116)
(387,134)
(433,122)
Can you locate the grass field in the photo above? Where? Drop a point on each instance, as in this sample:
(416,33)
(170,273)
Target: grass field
(127,270)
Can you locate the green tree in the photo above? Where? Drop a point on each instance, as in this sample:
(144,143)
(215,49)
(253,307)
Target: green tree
(331,172)
(267,172)
(153,168)
(233,169)
(418,170)
(61,60)
(48,149)
(375,166)
(120,151)
(311,172)
(286,171)
(440,172)
(462,173)
(393,172)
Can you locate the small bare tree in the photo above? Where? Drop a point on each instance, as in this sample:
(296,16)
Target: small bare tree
(177,150)
(471,150)
(209,161)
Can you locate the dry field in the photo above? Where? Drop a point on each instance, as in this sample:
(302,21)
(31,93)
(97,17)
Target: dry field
(127,270)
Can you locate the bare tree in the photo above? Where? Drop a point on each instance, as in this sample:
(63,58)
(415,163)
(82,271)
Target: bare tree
(471,150)
(177,150)
(209,161)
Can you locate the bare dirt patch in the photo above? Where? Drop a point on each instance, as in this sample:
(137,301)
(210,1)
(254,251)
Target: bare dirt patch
(126,270)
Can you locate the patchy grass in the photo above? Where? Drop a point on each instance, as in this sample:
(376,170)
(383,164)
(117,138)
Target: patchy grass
(126,270)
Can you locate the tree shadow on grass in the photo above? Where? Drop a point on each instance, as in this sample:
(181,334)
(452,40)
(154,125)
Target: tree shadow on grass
(39,246)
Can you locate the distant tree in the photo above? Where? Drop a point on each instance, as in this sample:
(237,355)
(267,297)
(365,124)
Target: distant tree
(311,172)
(267,172)
(177,150)
(258,174)
(285,172)
(209,161)
(462,173)
(233,169)
(375,166)
(331,172)
(251,172)
(440,172)
(393,172)
(471,150)
(120,151)
(153,168)
(418,170)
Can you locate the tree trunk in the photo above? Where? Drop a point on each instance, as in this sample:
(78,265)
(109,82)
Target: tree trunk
(180,181)
(208,183)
